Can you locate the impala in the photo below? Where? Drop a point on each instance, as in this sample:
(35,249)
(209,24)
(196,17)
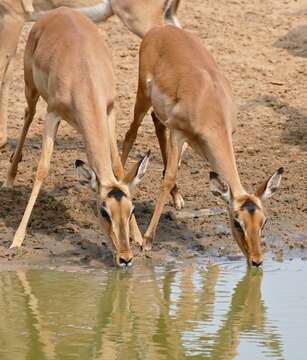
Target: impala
(192,98)
(138,15)
(68,64)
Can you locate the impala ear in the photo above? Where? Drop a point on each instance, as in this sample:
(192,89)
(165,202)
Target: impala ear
(86,175)
(268,188)
(220,187)
(137,172)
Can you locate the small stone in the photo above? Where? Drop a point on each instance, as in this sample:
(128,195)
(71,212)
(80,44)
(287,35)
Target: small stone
(222,229)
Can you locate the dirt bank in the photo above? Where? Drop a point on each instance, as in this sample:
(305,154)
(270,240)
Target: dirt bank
(262,46)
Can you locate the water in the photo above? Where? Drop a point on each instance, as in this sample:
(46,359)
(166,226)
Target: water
(154,313)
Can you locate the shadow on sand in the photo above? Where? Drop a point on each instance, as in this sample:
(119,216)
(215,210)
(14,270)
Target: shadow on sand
(295,41)
(295,131)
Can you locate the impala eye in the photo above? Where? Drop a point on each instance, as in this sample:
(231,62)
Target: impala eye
(105,214)
(238,226)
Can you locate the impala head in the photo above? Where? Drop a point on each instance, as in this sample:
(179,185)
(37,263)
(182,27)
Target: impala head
(247,216)
(115,206)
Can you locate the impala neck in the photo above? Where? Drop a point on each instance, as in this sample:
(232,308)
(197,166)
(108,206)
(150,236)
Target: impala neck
(220,154)
(95,130)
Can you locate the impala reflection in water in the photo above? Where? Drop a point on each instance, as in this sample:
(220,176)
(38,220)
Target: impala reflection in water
(187,312)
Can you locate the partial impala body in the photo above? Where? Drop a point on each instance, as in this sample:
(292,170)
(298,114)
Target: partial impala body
(191,98)
(68,64)
(138,15)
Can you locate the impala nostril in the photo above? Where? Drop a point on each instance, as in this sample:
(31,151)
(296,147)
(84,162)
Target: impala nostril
(257,264)
(124,261)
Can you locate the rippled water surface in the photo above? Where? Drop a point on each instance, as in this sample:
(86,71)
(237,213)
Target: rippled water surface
(184,312)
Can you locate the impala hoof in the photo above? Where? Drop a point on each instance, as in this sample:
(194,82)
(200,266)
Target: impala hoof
(137,239)
(13,253)
(147,244)
(18,240)
(178,201)
(7,185)
(14,246)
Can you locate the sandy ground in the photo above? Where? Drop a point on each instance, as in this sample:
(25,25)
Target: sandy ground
(262,47)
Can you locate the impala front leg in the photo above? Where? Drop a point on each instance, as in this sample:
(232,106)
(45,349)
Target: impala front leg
(175,144)
(161,132)
(10,28)
(32,98)
(50,131)
(141,107)
(28,6)
(171,14)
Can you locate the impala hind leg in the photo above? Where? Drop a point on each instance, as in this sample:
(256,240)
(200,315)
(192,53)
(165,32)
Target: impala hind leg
(50,130)
(161,132)
(142,105)
(139,18)
(10,28)
(32,98)
(174,148)
(171,13)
